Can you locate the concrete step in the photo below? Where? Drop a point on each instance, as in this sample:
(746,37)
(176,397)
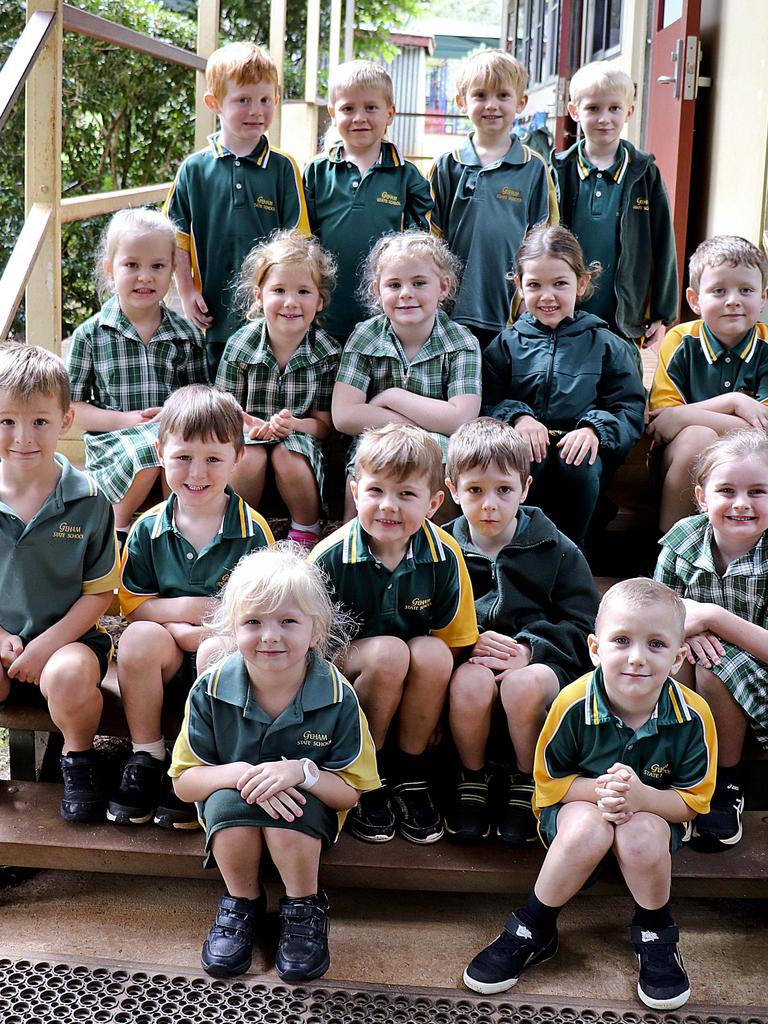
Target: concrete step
(33,835)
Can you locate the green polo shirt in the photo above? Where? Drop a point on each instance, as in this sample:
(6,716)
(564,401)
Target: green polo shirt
(675,749)
(67,549)
(483,213)
(596,225)
(159,561)
(349,213)
(428,593)
(223,205)
(694,366)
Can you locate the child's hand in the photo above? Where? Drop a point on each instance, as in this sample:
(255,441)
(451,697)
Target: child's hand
(265,781)
(29,665)
(258,429)
(622,781)
(186,635)
(10,649)
(654,333)
(196,309)
(754,413)
(578,445)
(495,644)
(535,435)
(151,413)
(281,424)
(705,649)
(662,425)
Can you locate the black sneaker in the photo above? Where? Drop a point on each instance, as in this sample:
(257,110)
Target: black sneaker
(85,799)
(498,967)
(517,822)
(417,817)
(373,819)
(302,949)
(468,820)
(227,951)
(143,784)
(721,826)
(663,983)
(174,813)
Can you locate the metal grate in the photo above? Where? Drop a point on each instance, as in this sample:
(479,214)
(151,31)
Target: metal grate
(62,993)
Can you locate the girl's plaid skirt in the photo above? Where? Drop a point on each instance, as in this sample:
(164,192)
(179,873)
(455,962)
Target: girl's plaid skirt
(116,456)
(306,445)
(747,679)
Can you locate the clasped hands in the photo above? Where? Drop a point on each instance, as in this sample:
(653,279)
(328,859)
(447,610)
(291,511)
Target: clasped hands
(273,786)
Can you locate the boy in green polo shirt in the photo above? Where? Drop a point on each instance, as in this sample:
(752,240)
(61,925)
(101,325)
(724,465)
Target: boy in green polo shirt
(58,568)
(232,195)
(362,188)
(712,374)
(177,556)
(625,761)
(404,581)
(612,198)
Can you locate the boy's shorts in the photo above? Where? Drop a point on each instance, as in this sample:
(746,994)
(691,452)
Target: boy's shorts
(679,832)
(28,694)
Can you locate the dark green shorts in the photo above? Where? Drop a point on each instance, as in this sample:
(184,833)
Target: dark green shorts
(96,640)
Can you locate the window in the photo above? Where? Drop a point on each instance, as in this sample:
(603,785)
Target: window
(535,26)
(603,29)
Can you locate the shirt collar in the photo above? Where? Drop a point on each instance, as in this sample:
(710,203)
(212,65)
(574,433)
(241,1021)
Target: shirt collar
(322,686)
(315,347)
(671,707)
(516,155)
(614,173)
(110,315)
(425,545)
(258,155)
(379,333)
(236,522)
(389,156)
(714,350)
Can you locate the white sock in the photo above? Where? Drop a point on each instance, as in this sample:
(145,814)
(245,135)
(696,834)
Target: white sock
(306,528)
(156,748)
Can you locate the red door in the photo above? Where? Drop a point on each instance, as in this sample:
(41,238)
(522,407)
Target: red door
(673,85)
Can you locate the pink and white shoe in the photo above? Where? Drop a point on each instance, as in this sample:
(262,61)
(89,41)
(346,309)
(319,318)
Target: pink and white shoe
(304,538)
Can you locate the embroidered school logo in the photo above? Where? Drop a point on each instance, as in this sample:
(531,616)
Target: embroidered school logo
(388,199)
(511,195)
(224,579)
(314,739)
(418,604)
(643,205)
(264,203)
(656,771)
(67,532)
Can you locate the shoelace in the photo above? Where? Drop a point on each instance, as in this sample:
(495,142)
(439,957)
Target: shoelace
(81,776)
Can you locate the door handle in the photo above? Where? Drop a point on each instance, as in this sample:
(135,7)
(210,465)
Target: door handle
(666,79)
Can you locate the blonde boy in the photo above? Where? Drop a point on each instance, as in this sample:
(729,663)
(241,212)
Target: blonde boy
(232,194)
(362,188)
(405,582)
(613,199)
(712,374)
(490,191)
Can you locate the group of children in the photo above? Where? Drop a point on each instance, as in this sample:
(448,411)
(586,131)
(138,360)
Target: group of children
(332,672)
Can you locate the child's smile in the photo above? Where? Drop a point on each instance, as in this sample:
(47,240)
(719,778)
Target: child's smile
(550,289)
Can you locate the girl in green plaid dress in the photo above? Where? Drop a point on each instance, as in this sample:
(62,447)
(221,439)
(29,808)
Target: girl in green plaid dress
(718,562)
(281,367)
(125,361)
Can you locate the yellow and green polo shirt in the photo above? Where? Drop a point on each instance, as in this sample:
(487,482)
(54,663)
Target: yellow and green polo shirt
(694,366)
(159,561)
(675,749)
(223,205)
(67,549)
(428,593)
(349,213)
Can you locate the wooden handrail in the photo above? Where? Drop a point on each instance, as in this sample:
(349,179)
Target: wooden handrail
(22,260)
(21,59)
(91,25)
(82,207)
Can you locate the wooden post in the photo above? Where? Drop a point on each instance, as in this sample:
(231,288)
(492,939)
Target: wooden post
(42,182)
(349,31)
(334,43)
(207,42)
(277,52)
(311,50)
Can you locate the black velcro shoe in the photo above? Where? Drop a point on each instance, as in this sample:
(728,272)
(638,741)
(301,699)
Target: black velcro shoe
(143,783)
(174,813)
(373,819)
(302,949)
(663,983)
(85,799)
(227,951)
(418,820)
(499,966)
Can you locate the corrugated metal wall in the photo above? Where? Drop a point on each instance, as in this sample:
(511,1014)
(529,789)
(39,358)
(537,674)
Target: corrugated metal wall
(409,71)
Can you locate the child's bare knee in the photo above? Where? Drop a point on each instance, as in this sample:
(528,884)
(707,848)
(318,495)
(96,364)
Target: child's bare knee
(643,841)
(528,691)
(473,686)
(431,654)
(384,656)
(583,829)
(141,643)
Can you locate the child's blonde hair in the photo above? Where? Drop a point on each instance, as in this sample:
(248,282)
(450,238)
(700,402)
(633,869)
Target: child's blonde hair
(477,444)
(143,221)
(601,76)
(640,593)
(493,69)
(241,64)
(265,580)
(399,450)
(284,247)
(361,74)
(27,371)
(411,244)
(202,412)
(557,243)
(741,444)
(730,249)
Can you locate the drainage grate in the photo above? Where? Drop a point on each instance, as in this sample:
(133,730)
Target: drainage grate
(62,993)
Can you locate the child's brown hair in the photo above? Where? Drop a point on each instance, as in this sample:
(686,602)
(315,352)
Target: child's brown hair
(27,371)
(200,411)
(558,243)
(641,592)
(399,450)
(361,74)
(730,249)
(477,444)
(494,69)
(741,444)
(284,247)
(411,244)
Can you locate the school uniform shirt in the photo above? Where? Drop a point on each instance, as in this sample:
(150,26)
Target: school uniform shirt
(348,213)
(223,205)
(159,561)
(67,549)
(428,593)
(249,371)
(694,366)
(483,213)
(686,564)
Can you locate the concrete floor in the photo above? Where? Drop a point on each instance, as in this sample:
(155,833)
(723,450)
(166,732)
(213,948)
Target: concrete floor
(419,939)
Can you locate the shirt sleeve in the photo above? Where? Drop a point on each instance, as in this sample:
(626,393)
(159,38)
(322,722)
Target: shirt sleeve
(418,201)
(326,378)
(138,578)
(352,755)
(196,744)
(543,205)
(229,376)
(441,195)
(293,205)
(557,759)
(664,283)
(309,195)
(195,370)
(668,388)
(666,570)
(617,417)
(100,569)
(177,208)
(79,364)
(695,768)
(465,370)
(454,619)
(497,382)
(354,367)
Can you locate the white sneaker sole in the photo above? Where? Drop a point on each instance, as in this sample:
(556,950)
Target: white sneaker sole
(663,1004)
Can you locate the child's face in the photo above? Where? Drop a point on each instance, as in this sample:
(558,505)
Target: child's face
(140,269)
(735,498)
(637,648)
(361,116)
(290,300)
(492,111)
(197,470)
(729,300)
(602,116)
(30,431)
(246,112)
(391,510)
(275,643)
(489,498)
(550,289)
(410,291)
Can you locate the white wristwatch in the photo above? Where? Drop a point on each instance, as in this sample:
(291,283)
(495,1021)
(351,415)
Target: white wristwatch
(311,773)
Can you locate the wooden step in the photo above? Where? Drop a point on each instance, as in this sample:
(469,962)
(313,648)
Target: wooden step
(33,835)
